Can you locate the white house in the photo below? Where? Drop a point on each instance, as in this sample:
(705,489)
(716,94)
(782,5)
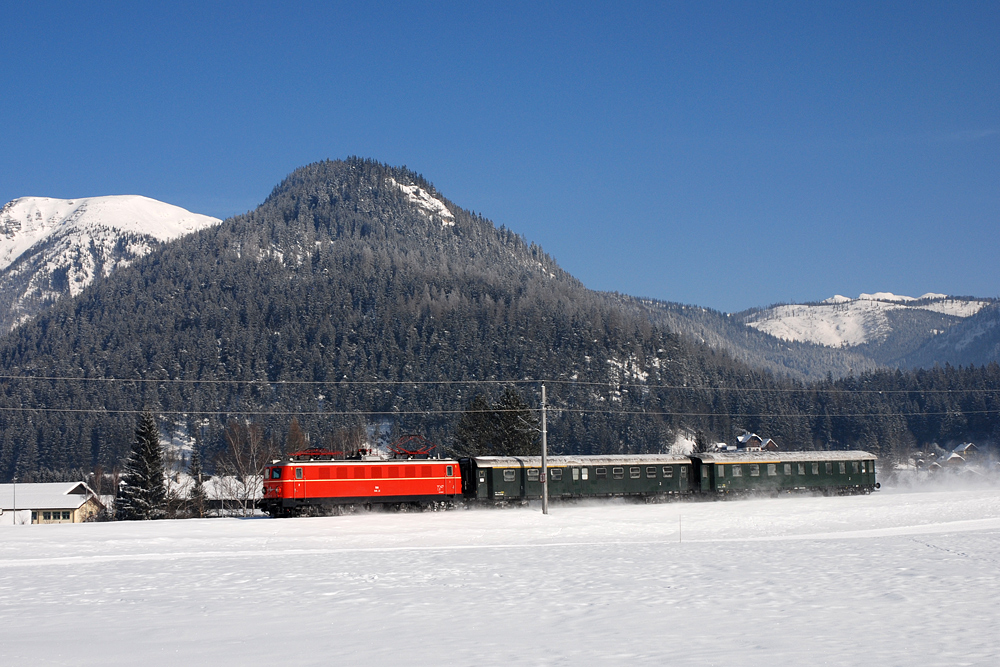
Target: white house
(54,502)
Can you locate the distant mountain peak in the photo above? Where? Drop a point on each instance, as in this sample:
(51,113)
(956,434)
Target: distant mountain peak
(53,247)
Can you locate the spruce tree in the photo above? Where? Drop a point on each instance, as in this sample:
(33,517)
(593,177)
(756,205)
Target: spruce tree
(142,493)
(197,498)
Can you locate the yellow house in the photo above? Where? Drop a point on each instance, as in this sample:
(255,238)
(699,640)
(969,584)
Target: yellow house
(53,502)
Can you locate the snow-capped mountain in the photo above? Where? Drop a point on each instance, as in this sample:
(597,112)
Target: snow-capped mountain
(871,318)
(53,247)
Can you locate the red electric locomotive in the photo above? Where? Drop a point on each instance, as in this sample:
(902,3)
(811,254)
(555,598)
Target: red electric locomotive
(315,479)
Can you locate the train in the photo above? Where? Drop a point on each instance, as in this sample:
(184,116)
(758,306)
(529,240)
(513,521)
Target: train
(317,482)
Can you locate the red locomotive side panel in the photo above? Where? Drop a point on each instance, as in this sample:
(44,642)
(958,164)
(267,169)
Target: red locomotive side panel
(294,484)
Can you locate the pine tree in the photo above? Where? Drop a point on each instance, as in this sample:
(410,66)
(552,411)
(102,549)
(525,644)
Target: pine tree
(474,431)
(515,427)
(142,493)
(197,498)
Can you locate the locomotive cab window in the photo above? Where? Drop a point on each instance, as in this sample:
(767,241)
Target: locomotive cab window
(449,471)
(508,475)
(298,473)
(275,473)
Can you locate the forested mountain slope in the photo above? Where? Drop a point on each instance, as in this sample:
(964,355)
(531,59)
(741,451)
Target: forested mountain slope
(345,297)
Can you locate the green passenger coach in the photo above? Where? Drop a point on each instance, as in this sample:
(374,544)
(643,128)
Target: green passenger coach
(770,472)
(507,478)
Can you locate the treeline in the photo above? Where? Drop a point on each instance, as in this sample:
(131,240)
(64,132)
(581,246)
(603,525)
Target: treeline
(339,301)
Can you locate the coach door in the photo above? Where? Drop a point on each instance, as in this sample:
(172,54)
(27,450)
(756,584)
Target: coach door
(684,471)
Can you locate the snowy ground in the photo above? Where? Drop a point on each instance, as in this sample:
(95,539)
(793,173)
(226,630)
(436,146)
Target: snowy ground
(890,579)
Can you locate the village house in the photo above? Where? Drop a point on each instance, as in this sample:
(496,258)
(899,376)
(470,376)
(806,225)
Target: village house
(53,502)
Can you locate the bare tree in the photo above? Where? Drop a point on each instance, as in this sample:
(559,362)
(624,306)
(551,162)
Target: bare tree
(348,440)
(241,466)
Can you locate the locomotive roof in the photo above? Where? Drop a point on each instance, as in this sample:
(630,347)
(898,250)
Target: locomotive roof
(782,457)
(360,462)
(596,460)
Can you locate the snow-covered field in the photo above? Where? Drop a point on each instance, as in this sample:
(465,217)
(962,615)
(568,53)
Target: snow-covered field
(895,578)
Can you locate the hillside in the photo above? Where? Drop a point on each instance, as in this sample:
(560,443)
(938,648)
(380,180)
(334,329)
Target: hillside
(357,293)
(51,248)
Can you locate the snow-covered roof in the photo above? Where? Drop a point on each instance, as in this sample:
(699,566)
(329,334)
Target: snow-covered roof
(784,457)
(560,461)
(965,447)
(45,496)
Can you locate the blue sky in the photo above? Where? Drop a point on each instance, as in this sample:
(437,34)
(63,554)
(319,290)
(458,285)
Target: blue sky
(728,155)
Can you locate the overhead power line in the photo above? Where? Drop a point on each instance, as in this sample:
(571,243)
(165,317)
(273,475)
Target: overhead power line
(583,383)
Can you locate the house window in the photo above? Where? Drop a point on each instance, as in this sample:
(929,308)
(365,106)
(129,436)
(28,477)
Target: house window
(720,470)
(772,469)
(802,468)
(754,470)
(815,467)
(34,517)
(668,471)
(583,473)
(47,516)
(601,472)
(618,473)
(508,475)
(788,468)
(65,516)
(532,474)
(556,473)
(298,473)
(651,472)
(737,470)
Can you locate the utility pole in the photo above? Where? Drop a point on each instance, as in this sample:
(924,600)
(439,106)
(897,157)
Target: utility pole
(14,510)
(545,462)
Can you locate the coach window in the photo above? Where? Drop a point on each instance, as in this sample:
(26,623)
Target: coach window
(829,468)
(704,472)
(601,472)
(802,468)
(684,472)
(788,468)
(532,474)
(450,471)
(668,471)
(508,475)
(843,467)
(772,469)
(854,467)
(738,470)
(298,473)
(576,474)
(754,470)
(275,473)
(618,473)
(556,473)
(815,468)
(720,470)
(583,473)
(634,472)
(651,472)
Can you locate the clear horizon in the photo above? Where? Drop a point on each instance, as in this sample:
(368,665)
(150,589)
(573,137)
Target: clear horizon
(718,155)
